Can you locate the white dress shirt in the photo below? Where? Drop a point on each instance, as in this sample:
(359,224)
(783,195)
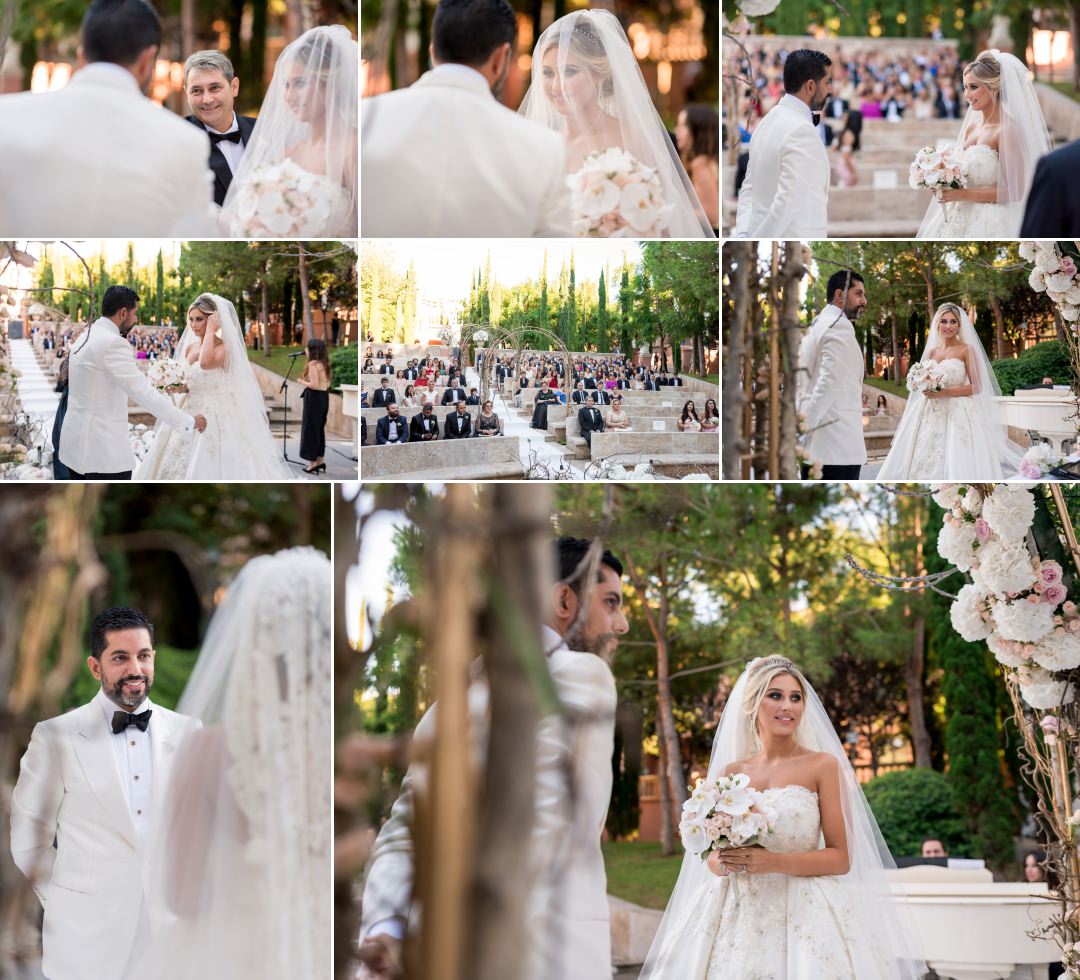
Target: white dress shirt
(230,151)
(134,757)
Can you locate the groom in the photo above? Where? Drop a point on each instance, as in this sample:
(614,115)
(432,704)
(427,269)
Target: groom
(444,159)
(102,376)
(1053,204)
(561,863)
(211,86)
(830,381)
(785,193)
(88,787)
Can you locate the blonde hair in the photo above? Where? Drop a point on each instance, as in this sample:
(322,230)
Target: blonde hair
(585,44)
(952,308)
(760,674)
(203,302)
(986,69)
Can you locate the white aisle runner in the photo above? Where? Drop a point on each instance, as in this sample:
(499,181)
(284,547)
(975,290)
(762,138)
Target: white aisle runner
(36,393)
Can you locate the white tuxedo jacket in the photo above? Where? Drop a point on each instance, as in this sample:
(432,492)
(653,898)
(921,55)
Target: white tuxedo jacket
(786,190)
(444,159)
(99,159)
(569,921)
(73,837)
(102,375)
(831,369)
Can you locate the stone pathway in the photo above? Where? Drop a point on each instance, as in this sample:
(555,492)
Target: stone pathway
(35,389)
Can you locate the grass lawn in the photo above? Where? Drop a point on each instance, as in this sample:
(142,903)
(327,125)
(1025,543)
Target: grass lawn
(1065,88)
(637,873)
(278,361)
(890,386)
(711,378)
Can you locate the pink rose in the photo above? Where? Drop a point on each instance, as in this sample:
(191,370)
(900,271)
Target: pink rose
(1074,625)
(1050,725)
(1054,594)
(1069,608)
(1028,651)
(1068,266)
(1029,471)
(1050,573)
(1034,599)
(982,529)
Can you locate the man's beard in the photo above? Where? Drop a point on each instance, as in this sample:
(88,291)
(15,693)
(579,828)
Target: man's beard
(116,694)
(602,645)
(854,313)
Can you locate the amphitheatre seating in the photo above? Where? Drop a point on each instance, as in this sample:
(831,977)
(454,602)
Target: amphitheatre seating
(645,424)
(372,415)
(456,459)
(659,448)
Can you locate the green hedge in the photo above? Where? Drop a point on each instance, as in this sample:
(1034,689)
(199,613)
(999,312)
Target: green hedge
(345,363)
(1049,359)
(912,805)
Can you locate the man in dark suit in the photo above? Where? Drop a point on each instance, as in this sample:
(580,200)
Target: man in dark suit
(458,424)
(387,367)
(675,381)
(1053,204)
(947,104)
(391,428)
(589,420)
(473,399)
(410,372)
(579,395)
(383,396)
(601,397)
(454,394)
(425,426)
(211,86)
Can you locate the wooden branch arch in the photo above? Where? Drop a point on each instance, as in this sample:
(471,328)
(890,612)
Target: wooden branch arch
(514,339)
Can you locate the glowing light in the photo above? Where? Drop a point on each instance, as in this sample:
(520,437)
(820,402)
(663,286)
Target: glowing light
(875,30)
(663,77)
(901,18)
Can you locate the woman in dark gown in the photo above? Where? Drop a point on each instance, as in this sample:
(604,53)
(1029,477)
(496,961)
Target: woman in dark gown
(544,397)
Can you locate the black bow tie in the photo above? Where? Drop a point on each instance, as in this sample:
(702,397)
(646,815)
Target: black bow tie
(233,137)
(121,720)
(816,117)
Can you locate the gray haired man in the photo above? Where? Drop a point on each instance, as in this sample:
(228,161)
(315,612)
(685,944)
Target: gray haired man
(211,86)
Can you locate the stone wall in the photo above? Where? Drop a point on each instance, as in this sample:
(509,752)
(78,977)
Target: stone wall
(456,459)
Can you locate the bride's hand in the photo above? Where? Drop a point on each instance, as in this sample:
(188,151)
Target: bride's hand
(715,863)
(213,324)
(751,860)
(950,195)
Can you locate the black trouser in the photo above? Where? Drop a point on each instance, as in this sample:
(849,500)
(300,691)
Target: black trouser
(833,472)
(72,475)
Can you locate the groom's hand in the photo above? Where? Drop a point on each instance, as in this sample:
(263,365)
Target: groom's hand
(200,423)
(381,956)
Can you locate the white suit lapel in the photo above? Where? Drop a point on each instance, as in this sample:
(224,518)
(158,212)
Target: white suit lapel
(164,742)
(90,741)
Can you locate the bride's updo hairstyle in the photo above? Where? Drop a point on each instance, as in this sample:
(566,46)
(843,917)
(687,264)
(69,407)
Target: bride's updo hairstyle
(204,303)
(986,69)
(583,42)
(759,675)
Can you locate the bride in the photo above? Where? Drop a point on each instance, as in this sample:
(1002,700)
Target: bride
(237,866)
(237,444)
(813,903)
(956,432)
(1001,140)
(586,84)
(297,177)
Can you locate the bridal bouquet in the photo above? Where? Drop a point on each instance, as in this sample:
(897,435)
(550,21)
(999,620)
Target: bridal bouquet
(724,814)
(924,377)
(282,201)
(937,170)
(166,373)
(614,195)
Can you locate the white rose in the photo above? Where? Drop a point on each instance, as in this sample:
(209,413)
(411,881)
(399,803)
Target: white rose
(1004,568)
(1010,511)
(1026,622)
(968,614)
(1058,650)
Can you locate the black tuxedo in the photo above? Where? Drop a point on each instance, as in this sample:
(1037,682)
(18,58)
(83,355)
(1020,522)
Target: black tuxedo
(589,420)
(218,164)
(1053,205)
(601,397)
(578,397)
(386,369)
(675,382)
(382,430)
(453,395)
(410,374)
(590,383)
(943,111)
(417,433)
(472,400)
(383,397)
(457,426)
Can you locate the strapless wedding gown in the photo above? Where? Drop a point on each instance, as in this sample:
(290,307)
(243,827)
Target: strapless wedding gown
(218,453)
(966,219)
(944,438)
(284,200)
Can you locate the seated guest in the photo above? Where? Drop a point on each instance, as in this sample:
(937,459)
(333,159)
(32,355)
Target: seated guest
(544,398)
(458,424)
(384,394)
(410,371)
(363,436)
(689,421)
(391,428)
(453,395)
(882,406)
(424,427)
(601,397)
(364,400)
(488,423)
(580,395)
(473,399)
(387,368)
(369,367)
(589,421)
(410,398)
(616,418)
(933,847)
(710,418)
(675,381)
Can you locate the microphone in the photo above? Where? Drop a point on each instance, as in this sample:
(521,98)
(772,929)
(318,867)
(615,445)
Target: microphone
(299,353)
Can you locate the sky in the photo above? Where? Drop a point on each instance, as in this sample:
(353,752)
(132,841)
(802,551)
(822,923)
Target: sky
(444,268)
(146,250)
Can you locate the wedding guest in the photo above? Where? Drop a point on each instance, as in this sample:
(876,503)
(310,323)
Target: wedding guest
(544,398)
(589,421)
(710,418)
(391,428)
(865,404)
(316,381)
(933,847)
(473,399)
(616,418)
(882,406)
(1035,865)
(488,423)
(369,367)
(458,424)
(211,86)
(384,394)
(410,399)
(845,173)
(697,134)
(425,426)
(689,421)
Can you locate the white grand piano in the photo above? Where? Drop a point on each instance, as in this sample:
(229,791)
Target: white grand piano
(1050,411)
(975,928)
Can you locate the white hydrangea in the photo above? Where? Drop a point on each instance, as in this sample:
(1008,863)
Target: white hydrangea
(1070,313)
(1027,251)
(1046,258)
(972,501)
(1010,511)
(1024,621)
(945,494)
(1058,650)
(968,614)
(1004,567)
(1039,689)
(1008,653)
(957,544)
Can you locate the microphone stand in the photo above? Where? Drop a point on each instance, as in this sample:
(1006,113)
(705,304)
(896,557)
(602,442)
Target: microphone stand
(285,420)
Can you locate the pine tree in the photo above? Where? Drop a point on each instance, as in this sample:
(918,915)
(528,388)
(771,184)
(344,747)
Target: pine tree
(603,343)
(408,306)
(485,293)
(625,305)
(571,317)
(159,295)
(545,316)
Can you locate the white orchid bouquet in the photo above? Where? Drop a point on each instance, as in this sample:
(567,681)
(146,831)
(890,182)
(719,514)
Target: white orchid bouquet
(723,814)
(924,376)
(166,373)
(614,195)
(937,170)
(1055,274)
(281,201)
